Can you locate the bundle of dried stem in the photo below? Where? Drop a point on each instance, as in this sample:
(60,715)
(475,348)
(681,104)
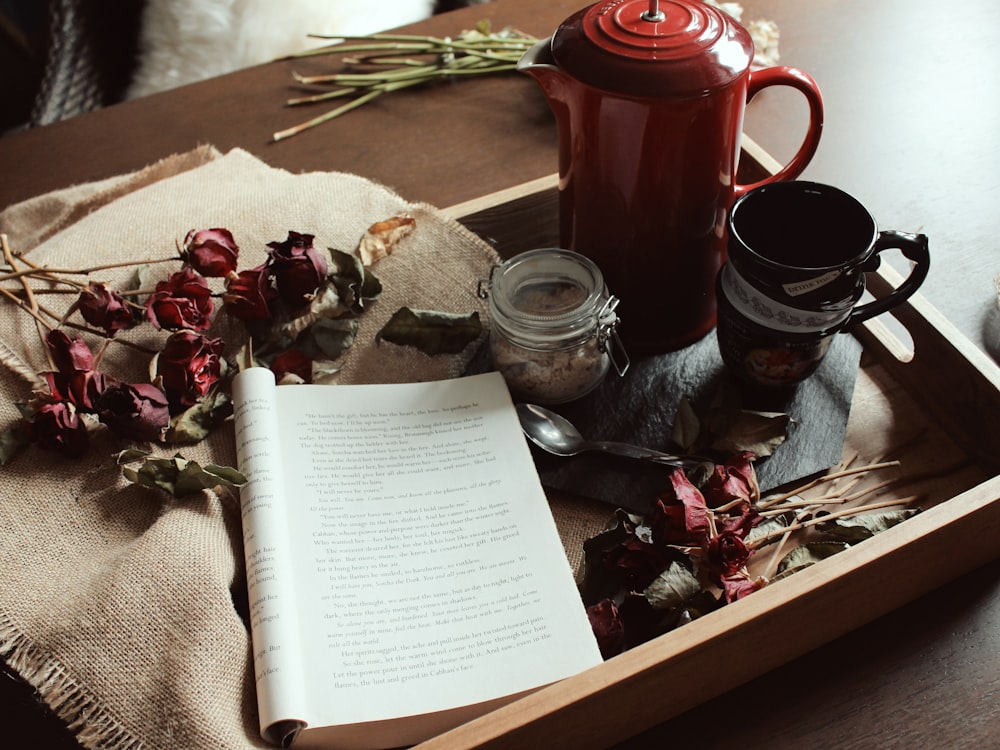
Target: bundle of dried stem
(382,63)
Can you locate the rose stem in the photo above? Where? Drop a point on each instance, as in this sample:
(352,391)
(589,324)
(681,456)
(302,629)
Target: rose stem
(758,541)
(30,303)
(37,270)
(826,478)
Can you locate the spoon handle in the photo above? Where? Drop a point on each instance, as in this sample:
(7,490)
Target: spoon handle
(645,454)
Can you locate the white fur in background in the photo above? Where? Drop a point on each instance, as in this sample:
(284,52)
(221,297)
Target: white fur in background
(183,41)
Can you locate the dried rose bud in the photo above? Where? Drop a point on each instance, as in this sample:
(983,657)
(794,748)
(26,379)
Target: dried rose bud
(298,268)
(211,252)
(293,363)
(249,294)
(726,553)
(69,354)
(607,627)
(680,515)
(57,426)
(182,301)
(135,412)
(106,309)
(188,367)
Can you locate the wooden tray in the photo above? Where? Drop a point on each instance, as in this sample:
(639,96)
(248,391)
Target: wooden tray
(929,403)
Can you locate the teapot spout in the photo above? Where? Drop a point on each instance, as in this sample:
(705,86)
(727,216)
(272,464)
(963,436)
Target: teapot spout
(539,63)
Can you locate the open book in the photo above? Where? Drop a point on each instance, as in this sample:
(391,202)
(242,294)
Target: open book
(404,571)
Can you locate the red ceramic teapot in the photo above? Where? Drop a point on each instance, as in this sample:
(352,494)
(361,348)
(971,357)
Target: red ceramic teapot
(649,99)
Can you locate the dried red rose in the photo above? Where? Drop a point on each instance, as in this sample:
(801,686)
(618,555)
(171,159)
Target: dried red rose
(182,301)
(135,412)
(292,362)
(249,294)
(106,309)
(189,365)
(298,268)
(75,380)
(726,553)
(607,626)
(735,480)
(57,426)
(680,515)
(211,252)
(635,563)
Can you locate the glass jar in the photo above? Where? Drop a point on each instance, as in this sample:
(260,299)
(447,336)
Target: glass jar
(553,335)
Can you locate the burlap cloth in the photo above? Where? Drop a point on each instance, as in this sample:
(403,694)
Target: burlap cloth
(117,603)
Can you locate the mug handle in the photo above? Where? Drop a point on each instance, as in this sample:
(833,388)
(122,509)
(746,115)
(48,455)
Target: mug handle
(784,76)
(914,247)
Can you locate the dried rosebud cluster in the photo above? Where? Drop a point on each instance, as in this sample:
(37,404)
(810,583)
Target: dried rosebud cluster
(187,372)
(693,540)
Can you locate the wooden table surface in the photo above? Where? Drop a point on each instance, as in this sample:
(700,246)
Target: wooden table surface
(912,117)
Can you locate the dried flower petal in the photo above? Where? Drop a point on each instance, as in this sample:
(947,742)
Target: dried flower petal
(681,515)
(70,354)
(735,480)
(607,627)
(292,366)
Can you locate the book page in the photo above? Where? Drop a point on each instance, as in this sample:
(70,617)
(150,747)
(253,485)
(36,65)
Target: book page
(429,571)
(266,543)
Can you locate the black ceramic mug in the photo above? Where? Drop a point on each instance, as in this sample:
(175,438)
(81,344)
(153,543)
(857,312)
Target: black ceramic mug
(798,254)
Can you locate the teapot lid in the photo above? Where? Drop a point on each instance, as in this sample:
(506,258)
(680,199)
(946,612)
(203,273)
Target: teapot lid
(652,47)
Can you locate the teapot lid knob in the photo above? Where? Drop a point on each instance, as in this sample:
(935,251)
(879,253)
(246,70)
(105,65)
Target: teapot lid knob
(654,14)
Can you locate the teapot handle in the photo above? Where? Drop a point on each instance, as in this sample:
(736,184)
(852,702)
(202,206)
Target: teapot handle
(785,76)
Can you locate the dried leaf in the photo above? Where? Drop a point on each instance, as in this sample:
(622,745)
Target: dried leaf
(356,285)
(672,587)
(329,338)
(383,236)
(12,440)
(179,476)
(18,366)
(755,431)
(866,525)
(195,423)
(326,303)
(769,526)
(431,332)
(686,427)
(806,555)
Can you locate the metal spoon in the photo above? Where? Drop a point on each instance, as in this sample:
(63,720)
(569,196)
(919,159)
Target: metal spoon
(557,435)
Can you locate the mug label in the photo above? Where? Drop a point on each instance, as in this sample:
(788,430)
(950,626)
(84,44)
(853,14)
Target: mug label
(803,287)
(770,313)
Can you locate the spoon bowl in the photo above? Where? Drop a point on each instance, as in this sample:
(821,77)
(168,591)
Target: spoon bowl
(555,434)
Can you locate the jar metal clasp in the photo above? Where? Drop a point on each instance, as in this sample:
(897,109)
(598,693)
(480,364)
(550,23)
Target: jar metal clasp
(607,333)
